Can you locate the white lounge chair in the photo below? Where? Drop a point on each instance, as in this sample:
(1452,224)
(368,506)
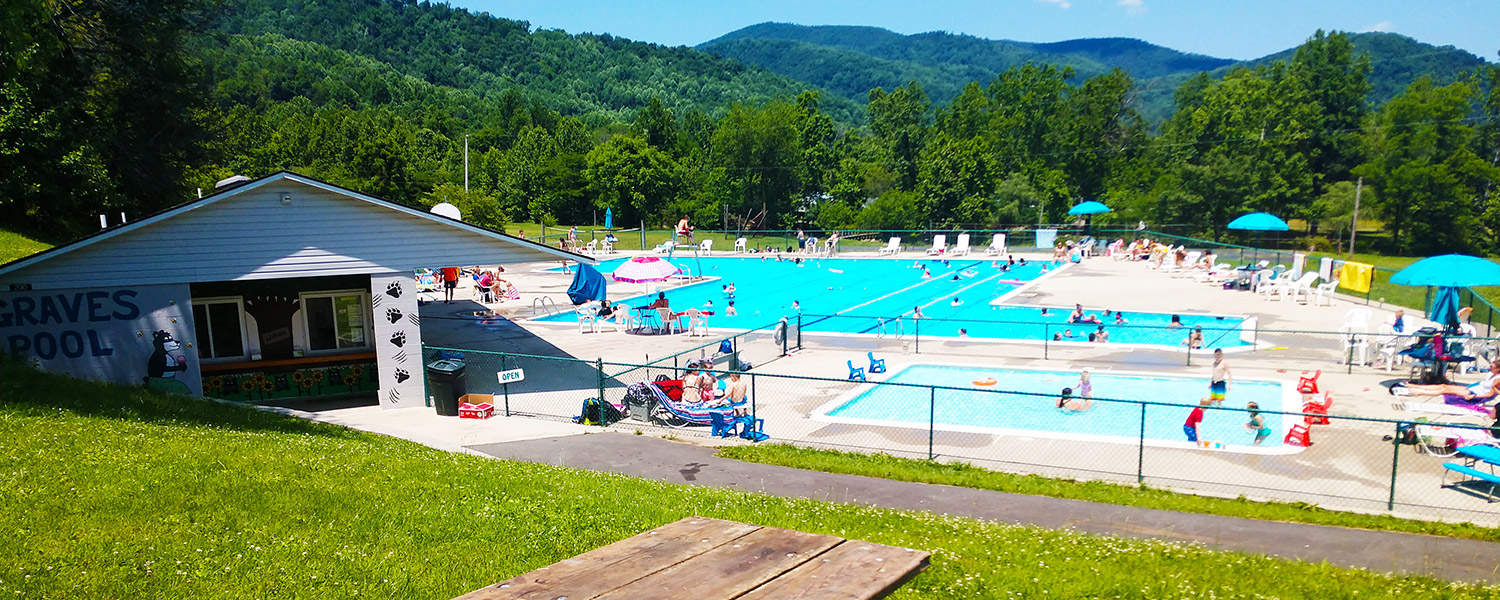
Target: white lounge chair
(1188,261)
(997,245)
(741,246)
(961,248)
(707,248)
(939,244)
(663,247)
(892,248)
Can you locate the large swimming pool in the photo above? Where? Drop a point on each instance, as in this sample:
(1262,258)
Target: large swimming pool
(862,291)
(984,410)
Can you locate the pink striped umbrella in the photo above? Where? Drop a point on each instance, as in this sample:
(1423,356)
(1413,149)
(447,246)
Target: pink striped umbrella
(645,268)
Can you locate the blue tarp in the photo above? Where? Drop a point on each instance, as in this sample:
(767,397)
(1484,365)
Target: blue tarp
(588,284)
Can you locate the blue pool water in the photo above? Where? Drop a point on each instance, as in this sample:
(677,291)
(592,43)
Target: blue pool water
(862,290)
(908,406)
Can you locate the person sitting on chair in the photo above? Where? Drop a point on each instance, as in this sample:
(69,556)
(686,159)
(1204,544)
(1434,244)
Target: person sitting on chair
(1483,391)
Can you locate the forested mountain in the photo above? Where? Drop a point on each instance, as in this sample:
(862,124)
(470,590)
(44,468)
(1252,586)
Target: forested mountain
(598,78)
(851,61)
(127,105)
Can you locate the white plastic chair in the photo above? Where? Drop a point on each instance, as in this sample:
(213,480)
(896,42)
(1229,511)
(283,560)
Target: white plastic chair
(997,245)
(607,247)
(588,319)
(961,248)
(1323,292)
(697,322)
(668,320)
(740,246)
(617,321)
(1359,317)
(891,248)
(591,248)
(1302,287)
(707,247)
(939,244)
(1356,338)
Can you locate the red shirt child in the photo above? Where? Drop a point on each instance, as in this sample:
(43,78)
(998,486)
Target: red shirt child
(1194,418)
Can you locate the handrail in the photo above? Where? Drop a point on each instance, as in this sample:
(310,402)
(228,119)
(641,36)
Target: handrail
(542,303)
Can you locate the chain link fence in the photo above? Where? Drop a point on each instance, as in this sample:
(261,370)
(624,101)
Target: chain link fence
(1352,463)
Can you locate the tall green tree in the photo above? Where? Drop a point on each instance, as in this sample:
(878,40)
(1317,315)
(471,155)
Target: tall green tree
(634,179)
(760,149)
(899,120)
(99,107)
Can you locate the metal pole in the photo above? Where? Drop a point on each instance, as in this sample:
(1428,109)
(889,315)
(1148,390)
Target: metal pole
(1140,459)
(1359,186)
(931,419)
(466,163)
(1046,339)
(918,334)
(1395,456)
(1350,362)
(643,235)
(799,331)
(752,398)
(505,389)
(599,363)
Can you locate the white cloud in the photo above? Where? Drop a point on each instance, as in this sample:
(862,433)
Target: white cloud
(1133,7)
(1381,26)
(1063,4)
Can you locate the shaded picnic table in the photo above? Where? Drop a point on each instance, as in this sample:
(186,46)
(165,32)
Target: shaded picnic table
(700,558)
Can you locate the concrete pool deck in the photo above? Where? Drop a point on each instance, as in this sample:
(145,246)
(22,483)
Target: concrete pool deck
(1348,466)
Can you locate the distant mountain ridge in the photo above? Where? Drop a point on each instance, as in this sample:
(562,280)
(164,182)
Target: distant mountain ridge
(852,60)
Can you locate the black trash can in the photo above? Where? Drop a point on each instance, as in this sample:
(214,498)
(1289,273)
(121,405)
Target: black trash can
(445,384)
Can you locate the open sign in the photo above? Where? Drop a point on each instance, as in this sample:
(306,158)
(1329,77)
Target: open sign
(511,376)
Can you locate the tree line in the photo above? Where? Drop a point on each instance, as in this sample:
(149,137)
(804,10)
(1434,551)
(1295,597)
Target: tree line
(132,111)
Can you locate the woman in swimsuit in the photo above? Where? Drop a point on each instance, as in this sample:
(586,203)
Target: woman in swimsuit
(1483,391)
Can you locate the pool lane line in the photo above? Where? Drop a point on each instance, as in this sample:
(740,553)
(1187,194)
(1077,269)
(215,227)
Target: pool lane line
(962,289)
(900,291)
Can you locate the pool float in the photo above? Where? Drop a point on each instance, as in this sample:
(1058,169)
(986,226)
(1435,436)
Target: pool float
(834,271)
(1010,281)
(986,381)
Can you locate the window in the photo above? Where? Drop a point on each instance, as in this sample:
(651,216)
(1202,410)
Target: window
(335,321)
(220,330)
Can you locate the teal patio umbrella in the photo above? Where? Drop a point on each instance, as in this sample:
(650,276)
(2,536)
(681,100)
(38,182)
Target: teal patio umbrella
(609,218)
(1088,209)
(1448,273)
(1260,223)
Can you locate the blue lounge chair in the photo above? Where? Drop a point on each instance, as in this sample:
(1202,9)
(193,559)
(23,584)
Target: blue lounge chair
(675,413)
(856,373)
(877,365)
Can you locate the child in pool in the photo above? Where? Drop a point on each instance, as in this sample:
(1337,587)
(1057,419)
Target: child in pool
(730,311)
(1257,423)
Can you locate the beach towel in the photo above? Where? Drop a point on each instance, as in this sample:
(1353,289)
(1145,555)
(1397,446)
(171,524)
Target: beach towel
(1356,276)
(1325,269)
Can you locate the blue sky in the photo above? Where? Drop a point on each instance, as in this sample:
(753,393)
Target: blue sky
(1237,29)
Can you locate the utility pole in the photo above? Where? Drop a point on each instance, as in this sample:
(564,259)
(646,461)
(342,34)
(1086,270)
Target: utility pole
(466,163)
(1354,227)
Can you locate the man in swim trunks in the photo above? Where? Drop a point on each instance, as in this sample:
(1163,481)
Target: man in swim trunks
(1483,391)
(1218,383)
(450,283)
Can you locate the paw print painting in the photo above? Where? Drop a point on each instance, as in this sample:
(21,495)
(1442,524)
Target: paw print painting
(402,375)
(398,339)
(394,289)
(394,314)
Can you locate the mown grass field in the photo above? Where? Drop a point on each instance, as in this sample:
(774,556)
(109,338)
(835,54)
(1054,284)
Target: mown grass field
(14,245)
(966,475)
(109,492)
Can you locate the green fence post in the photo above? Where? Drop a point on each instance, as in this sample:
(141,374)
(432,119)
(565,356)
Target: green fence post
(799,331)
(1395,456)
(1046,340)
(931,419)
(1140,459)
(599,362)
(505,389)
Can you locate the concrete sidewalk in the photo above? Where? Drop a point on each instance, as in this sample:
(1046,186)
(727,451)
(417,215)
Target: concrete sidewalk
(653,458)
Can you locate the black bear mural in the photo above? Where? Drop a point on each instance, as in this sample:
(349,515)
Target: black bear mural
(165,363)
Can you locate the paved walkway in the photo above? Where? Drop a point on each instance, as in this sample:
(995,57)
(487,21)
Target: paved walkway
(653,458)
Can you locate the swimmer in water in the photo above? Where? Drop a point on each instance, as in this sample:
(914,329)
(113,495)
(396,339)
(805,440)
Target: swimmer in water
(956,301)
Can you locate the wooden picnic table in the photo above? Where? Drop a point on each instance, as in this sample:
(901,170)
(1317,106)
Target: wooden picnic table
(699,558)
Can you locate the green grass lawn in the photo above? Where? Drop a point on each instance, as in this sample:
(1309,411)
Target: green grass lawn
(108,492)
(14,245)
(966,475)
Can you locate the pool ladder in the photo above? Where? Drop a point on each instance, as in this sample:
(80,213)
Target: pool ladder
(880,329)
(544,303)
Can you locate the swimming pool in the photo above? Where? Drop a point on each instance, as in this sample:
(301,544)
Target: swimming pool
(997,412)
(863,290)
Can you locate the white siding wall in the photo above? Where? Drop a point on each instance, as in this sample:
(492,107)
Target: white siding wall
(253,236)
